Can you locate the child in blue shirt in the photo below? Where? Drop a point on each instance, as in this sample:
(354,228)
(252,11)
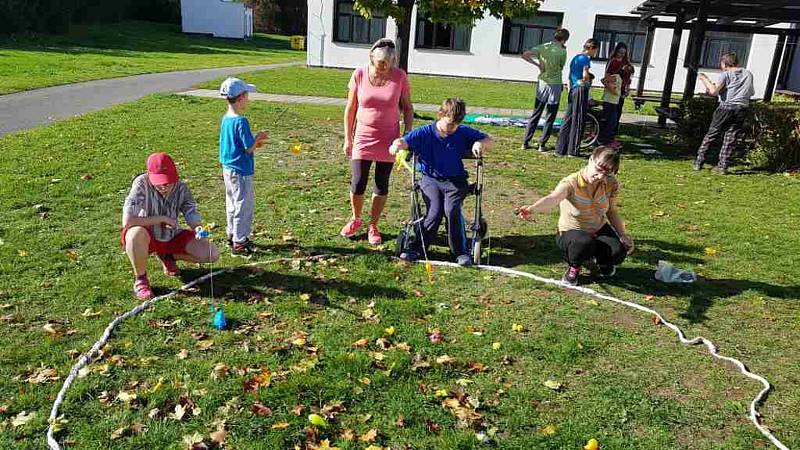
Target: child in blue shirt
(580,81)
(236,148)
(439,148)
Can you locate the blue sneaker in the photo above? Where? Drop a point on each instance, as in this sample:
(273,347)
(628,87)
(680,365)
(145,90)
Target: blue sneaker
(409,255)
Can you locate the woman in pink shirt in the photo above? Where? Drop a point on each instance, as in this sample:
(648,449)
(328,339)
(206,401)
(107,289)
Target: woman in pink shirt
(376,95)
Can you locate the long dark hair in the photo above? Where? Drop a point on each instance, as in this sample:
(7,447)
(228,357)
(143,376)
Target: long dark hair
(617,48)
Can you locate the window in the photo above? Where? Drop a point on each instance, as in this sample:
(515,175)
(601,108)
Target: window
(718,43)
(520,34)
(441,36)
(611,30)
(350,26)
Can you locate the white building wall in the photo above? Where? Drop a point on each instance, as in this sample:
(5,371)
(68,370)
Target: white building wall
(484,60)
(220,18)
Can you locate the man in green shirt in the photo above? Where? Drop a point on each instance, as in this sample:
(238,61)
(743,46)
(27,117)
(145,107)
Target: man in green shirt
(550,58)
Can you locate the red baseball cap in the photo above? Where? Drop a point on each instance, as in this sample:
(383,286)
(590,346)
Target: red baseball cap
(161,169)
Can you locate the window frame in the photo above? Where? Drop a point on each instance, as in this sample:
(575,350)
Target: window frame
(351,16)
(710,37)
(451,47)
(507,26)
(613,34)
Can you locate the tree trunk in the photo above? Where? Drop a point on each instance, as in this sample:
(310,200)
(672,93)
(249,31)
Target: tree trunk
(403,39)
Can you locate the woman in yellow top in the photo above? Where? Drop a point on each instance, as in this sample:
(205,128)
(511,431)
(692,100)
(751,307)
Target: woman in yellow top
(589,227)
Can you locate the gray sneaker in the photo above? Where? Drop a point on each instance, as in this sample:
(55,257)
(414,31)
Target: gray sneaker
(464,260)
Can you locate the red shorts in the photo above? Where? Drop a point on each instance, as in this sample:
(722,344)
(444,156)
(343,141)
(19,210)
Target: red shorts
(177,246)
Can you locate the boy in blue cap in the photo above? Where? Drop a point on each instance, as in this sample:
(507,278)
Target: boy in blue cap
(439,148)
(236,148)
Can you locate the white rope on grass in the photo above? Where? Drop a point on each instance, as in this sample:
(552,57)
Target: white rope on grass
(87,357)
(755,417)
(754,414)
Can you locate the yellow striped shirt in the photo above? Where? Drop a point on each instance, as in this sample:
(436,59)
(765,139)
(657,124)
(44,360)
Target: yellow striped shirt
(582,209)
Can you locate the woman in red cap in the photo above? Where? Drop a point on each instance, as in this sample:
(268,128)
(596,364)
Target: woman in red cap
(150,223)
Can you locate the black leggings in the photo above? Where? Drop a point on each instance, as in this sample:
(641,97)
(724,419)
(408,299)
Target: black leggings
(360,169)
(580,246)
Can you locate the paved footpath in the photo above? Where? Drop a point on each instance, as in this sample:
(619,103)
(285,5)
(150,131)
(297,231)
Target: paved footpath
(422,107)
(29,109)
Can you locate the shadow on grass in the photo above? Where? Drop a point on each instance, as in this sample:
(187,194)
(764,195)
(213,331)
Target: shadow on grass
(511,251)
(515,250)
(700,295)
(122,38)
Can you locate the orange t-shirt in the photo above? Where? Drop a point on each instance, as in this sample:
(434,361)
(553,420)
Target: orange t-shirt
(585,210)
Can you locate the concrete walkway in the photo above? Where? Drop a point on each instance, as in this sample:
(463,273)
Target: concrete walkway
(421,107)
(30,109)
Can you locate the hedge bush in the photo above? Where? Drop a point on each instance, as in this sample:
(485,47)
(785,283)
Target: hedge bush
(771,136)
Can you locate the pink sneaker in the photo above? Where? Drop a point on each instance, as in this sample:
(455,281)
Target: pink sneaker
(373,235)
(352,227)
(141,287)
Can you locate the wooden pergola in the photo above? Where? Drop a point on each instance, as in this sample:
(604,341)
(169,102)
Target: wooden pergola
(700,16)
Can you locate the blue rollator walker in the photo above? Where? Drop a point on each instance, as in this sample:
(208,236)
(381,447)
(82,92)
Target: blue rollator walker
(477,229)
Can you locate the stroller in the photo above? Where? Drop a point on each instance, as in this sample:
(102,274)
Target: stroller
(478,228)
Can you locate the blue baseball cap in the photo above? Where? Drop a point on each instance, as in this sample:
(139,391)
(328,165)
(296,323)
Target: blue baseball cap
(234,87)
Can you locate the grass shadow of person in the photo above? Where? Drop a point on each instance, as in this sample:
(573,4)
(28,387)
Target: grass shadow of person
(700,295)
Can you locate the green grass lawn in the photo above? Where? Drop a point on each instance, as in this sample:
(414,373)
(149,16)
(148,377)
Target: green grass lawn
(424,88)
(101,51)
(625,381)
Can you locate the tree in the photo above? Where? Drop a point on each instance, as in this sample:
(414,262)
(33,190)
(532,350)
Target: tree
(451,12)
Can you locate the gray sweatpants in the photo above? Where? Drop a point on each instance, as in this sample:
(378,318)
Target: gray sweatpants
(239,204)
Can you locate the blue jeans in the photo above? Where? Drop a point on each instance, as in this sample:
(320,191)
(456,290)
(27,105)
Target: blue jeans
(443,197)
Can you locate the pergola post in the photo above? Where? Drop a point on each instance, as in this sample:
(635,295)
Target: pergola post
(773,70)
(696,39)
(648,51)
(666,95)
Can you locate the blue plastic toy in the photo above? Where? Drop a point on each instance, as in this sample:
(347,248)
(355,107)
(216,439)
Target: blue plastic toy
(219,321)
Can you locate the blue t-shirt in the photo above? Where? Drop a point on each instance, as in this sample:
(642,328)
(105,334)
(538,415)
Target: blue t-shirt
(576,68)
(234,140)
(441,157)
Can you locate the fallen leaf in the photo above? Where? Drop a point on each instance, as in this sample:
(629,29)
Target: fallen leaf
(260,409)
(220,371)
(389,331)
(22,253)
(435,336)
(280,425)
(517,328)
(496,346)
(42,375)
(218,437)
(192,440)
(591,445)
(53,329)
(88,312)
(432,426)
(86,177)
(22,418)
(126,397)
(649,297)
(552,384)
(369,436)
(549,430)
(656,320)
(183,354)
(711,251)
(361,343)
(400,422)
(317,420)
(298,409)
(445,360)
(347,435)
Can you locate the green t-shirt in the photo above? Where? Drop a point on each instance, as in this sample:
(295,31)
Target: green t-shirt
(553,58)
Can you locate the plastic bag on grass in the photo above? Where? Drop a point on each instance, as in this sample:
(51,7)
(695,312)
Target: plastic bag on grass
(668,273)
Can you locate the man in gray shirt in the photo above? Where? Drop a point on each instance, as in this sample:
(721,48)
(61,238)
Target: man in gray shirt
(735,87)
